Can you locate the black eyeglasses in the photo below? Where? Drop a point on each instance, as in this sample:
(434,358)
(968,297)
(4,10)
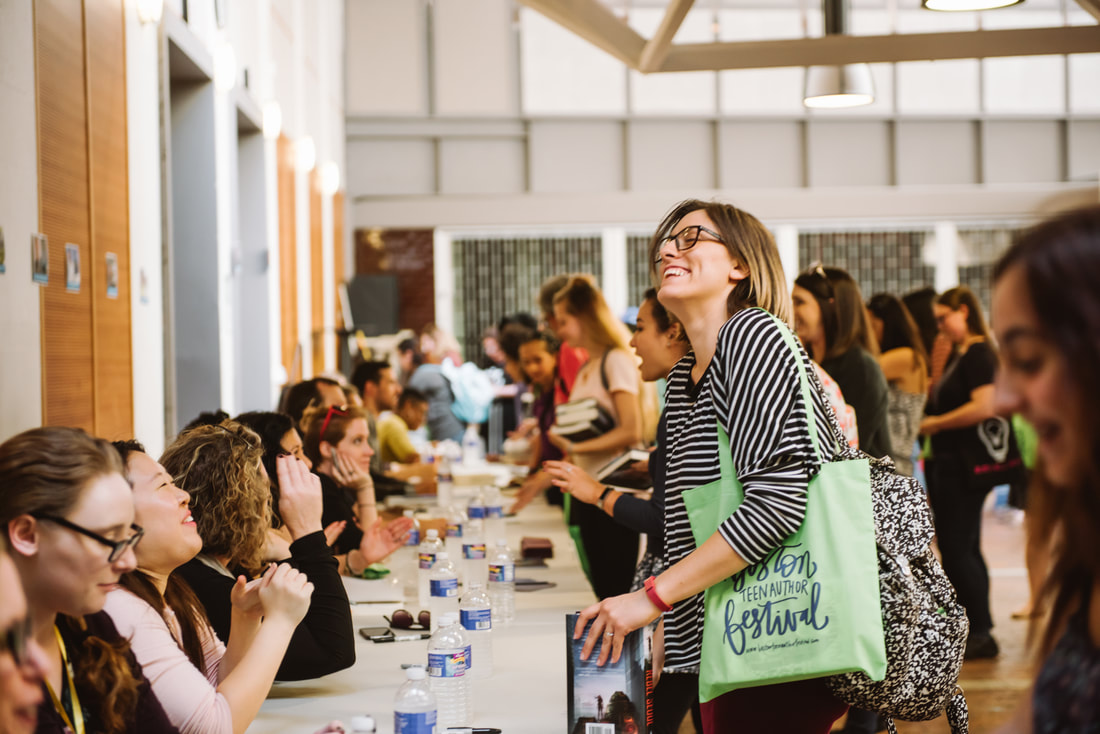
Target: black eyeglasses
(403,620)
(14,640)
(686,239)
(118,547)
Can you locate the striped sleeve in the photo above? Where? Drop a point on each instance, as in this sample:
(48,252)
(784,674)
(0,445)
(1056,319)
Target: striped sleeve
(758,399)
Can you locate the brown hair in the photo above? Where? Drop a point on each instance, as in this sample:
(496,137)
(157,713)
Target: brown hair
(45,470)
(334,431)
(843,315)
(750,243)
(219,466)
(899,329)
(189,611)
(1061,266)
(959,296)
(665,319)
(582,299)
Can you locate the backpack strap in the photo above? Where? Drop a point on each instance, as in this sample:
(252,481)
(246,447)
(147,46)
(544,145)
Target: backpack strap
(603,371)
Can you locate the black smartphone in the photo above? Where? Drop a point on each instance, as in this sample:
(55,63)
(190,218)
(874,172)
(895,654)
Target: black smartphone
(376,633)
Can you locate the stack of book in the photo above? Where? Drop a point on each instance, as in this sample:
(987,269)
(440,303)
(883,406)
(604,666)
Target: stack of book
(627,472)
(580,420)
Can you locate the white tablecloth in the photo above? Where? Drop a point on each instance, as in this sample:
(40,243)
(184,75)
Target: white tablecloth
(525,695)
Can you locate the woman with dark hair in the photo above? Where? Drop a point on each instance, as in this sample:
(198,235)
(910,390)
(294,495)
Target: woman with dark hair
(720,274)
(336,442)
(69,520)
(832,323)
(22,662)
(203,684)
(1046,313)
(220,468)
(904,363)
(974,450)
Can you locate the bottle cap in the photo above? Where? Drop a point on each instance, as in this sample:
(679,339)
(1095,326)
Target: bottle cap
(408,513)
(363,724)
(501,541)
(448,618)
(442,556)
(415,673)
(433,533)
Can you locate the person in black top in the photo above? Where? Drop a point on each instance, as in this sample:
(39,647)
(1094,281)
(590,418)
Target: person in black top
(69,519)
(1046,314)
(832,323)
(974,450)
(220,467)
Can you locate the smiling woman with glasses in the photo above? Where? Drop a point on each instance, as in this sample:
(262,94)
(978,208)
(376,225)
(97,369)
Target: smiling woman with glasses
(70,525)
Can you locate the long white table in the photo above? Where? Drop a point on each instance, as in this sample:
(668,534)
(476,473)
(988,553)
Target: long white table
(526,693)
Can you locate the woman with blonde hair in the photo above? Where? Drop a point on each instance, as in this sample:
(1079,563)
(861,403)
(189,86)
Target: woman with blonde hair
(220,468)
(719,272)
(610,376)
(69,520)
(337,442)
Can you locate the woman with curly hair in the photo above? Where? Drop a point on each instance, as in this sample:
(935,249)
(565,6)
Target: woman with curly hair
(220,467)
(69,520)
(204,685)
(336,441)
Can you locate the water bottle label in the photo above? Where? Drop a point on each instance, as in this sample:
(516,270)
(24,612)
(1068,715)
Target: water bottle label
(494,511)
(469,656)
(504,573)
(427,560)
(420,723)
(475,512)
(476,619)
(444,587)
(454,531)
(451,664)
(473,551)
(414,537)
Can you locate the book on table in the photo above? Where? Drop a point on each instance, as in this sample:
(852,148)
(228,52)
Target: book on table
(616,698)
(627,472)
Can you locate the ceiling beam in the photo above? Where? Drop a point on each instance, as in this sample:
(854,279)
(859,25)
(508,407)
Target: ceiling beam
(656,49)
(1092,7)
(834,50)
(595,23)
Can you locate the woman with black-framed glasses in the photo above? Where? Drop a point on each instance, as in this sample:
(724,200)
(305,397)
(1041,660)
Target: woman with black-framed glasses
(22,662)
(70,524)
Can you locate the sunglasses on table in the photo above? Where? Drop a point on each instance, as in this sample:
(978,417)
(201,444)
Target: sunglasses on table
(687,238)
(402,619)
(118,547)
(14,640)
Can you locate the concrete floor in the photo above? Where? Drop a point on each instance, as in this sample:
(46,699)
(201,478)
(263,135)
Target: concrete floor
(993,687)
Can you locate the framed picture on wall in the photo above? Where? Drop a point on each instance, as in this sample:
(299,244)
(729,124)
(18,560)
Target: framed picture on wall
(112,275)
(40,259)
(72,267)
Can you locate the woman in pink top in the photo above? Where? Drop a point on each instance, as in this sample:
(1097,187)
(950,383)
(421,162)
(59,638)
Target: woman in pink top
(203,685)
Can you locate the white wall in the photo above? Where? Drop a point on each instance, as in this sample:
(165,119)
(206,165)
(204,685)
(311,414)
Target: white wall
(20,341)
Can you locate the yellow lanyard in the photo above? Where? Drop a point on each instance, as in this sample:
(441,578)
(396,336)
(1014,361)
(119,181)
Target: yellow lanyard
(78,713)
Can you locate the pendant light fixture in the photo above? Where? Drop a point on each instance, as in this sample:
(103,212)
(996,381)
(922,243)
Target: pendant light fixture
(848,85)
(952,6)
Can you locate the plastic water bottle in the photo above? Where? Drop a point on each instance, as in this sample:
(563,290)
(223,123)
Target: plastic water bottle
(502,583)
(364,724)
(475,614)
(405,560)
(414,708)
(456,524)
(471,446)
(494,515)
(475,509)
(475,566)
(426,559)
(448,658)
(444,588)
(445,481)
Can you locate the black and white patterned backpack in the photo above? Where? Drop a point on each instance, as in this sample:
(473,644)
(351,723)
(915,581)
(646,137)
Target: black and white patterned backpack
(924,625)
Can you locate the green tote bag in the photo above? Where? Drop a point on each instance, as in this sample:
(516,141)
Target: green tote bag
(811,607)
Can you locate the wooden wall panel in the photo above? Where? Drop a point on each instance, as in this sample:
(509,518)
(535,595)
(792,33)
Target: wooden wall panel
(288,261)
(67,369)
(410,255)
(105,34)
(316,262)
(338,271)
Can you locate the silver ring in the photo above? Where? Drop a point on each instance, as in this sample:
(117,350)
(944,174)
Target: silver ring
(608,634)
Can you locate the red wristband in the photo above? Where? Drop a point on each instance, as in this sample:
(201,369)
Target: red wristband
(651,592)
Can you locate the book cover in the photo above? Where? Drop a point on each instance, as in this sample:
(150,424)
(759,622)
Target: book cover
(575,406)
(614,699)
(577,432)
(627,472)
